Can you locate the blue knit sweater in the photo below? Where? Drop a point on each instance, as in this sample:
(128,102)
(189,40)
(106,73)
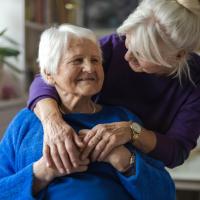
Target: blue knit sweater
(22,146)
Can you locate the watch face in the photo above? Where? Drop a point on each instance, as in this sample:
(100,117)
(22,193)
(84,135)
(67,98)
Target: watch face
(136,127)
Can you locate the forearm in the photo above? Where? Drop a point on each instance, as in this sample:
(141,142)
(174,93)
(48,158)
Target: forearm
(47,108)
(146,141)
(163,148)
(169,150)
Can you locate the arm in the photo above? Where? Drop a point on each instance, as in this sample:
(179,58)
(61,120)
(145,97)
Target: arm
(143,177)
(150,179)
(119,158)
(13,181)
(174,147)
(21,177)
(44,175)
(61,143)
(40,90)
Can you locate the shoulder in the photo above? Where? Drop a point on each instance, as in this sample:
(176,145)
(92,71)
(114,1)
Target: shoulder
(112,40)
(22,123)
(24,115)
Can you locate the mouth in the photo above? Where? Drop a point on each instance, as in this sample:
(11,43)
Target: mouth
(91,77)
(134,64)
(85,79)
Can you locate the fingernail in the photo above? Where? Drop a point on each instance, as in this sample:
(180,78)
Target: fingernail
(48,165)
(62,171)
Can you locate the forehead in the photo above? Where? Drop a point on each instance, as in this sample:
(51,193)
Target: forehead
(78,45)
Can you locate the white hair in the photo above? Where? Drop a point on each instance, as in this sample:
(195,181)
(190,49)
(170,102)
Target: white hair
(160,29)
(53,42)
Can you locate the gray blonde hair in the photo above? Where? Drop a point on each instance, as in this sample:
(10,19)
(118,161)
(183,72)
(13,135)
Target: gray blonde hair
(159,29)
(53,43)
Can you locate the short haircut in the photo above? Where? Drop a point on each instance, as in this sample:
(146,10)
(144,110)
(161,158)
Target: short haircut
(53,42)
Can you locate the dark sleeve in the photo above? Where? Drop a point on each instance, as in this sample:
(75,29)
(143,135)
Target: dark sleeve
(40,90)
(174,147)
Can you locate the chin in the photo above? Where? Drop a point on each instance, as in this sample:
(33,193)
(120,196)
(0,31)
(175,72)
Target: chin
(90,92)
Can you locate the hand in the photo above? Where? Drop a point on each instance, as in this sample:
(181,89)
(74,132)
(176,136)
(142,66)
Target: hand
(47,174)
(61,144)
(119,158)
(103,138)
(43,175)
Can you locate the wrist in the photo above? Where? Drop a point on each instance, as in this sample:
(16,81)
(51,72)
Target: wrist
(42,173)
(130,170)
(136,130)
(52,116)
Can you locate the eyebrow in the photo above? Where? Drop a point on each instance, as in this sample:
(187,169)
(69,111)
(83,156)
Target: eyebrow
(80,55)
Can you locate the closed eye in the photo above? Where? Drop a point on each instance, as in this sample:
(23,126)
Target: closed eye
(95,60)
(77,61)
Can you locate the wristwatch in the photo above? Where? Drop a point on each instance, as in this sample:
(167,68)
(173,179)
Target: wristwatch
(136,129)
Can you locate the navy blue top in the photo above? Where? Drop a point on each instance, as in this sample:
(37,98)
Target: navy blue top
(166,107)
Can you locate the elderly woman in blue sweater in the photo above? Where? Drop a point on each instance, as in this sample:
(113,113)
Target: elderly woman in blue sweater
(70,60)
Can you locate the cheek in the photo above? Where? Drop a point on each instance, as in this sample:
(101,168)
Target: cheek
(100,77)
(150,68)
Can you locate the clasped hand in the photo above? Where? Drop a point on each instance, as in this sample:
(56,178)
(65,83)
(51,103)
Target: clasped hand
(68,152)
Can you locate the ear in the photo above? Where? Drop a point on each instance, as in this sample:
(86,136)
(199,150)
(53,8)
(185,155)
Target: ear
(181,54)
(49,78)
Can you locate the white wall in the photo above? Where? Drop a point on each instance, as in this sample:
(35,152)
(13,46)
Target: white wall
(12,18)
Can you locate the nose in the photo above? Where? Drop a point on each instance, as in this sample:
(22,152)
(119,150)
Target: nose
(129,55)
(88,67)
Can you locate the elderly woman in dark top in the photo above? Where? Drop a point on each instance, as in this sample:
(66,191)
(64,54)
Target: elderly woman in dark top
(152,70)
(70,60)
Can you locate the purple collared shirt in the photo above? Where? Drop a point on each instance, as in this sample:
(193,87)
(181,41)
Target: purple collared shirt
(170,109)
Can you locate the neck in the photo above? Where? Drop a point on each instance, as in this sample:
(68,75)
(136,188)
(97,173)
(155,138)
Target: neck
(72,103)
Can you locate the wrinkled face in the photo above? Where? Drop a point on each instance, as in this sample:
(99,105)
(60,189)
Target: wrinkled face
(140,65)
(80,71)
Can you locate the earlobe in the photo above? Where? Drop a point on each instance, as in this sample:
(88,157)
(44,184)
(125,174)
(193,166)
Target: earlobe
(49,78)
(181,54)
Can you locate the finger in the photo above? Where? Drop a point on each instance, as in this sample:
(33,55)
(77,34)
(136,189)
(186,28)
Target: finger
(47,155)
(98,149)
(81,168)
(72,152)
(90,146)
(108,148)
(84,162)
(64,157)
(89,135)
(78,141)
(56,159)
(83,132)
(101,145)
